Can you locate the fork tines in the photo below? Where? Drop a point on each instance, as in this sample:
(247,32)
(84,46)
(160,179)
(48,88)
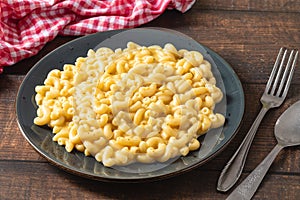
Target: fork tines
(275,88)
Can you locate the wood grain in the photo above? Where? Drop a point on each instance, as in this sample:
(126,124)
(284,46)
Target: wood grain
(251,5)
(197,184)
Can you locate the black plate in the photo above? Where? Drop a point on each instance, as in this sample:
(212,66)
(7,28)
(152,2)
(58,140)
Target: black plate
(232,106)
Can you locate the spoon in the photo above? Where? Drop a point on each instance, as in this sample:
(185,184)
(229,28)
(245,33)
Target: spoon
(287,133)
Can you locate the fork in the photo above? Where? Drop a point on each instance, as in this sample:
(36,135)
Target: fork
(275,92)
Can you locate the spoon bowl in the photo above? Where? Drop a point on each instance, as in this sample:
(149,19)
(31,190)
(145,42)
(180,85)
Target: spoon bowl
(287,133)
(287,127)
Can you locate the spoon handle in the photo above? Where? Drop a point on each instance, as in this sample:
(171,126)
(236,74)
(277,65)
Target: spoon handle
(248,187)
(233,169)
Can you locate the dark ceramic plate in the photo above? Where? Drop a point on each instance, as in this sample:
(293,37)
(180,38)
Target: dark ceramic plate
(232,106)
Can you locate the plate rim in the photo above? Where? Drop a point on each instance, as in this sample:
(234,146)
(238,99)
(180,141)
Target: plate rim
(113,179)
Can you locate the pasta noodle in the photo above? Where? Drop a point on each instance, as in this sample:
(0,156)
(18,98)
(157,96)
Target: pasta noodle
(138,104)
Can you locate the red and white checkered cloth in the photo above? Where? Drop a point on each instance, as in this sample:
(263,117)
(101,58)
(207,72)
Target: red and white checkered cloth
(27,25)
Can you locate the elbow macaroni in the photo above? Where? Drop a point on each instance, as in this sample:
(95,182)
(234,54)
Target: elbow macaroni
(139,104)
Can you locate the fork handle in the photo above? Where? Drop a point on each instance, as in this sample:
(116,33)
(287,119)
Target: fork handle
(248,187)
(234,167)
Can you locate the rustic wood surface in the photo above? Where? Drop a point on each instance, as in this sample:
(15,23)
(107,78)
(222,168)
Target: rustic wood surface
(247,34)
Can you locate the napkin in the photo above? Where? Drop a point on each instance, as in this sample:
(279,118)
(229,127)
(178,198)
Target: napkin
(27,25)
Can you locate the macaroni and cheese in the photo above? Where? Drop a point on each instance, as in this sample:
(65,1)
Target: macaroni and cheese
(138,104)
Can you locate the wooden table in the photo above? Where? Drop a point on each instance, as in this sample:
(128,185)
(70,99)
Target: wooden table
(247,34)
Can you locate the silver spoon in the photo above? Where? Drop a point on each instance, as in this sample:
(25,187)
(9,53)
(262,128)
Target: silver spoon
(287,133)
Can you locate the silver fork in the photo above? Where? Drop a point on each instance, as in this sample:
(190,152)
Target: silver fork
(273,96)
